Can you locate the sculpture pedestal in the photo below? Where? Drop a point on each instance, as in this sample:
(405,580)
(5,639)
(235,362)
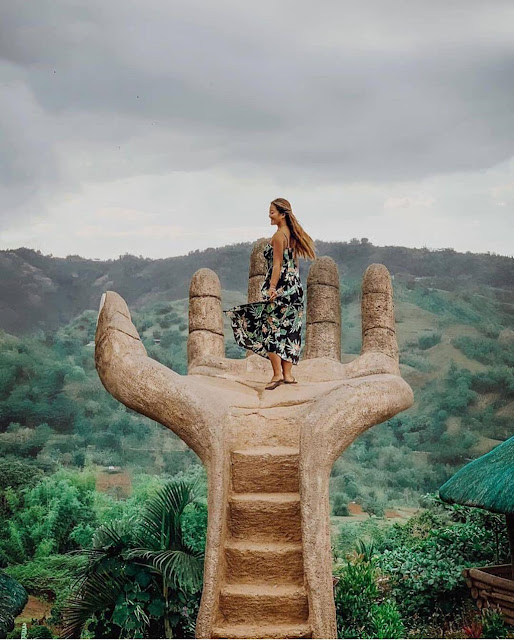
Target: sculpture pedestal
(268,453)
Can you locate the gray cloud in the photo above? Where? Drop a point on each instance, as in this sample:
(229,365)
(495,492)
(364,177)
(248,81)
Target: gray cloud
(313,93)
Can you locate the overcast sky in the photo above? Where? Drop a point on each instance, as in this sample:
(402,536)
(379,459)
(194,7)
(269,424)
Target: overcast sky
(156,127)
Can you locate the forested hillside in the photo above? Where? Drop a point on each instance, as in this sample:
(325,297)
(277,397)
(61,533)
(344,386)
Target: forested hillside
(77,467)
(456,341)
(40,291)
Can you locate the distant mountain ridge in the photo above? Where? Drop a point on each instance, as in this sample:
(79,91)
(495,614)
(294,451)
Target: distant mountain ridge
(44,292)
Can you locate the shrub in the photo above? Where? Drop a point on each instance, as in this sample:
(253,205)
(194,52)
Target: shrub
(170,338)
(360,611)
(355,594)
(340,505)
(423,559)
(164,323)
(39,631)
(178,461)
(18,474)
(499,379)
(387,620)
(454,448)
(489,329)
(485,350)
(194,526)
(373,504)
(493,624)
(52,573)
(23,441)
(352,532)
(457,394)
(165,308)
(349,291)
(418,362)
(428,340)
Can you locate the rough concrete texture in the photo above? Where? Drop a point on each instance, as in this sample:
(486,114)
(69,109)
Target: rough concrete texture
(323,328)
(268,454)
(378,331)
(205,317)
(257,273)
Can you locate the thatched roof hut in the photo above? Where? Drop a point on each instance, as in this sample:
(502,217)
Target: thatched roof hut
(487,483)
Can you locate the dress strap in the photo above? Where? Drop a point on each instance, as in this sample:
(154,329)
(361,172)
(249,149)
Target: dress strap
(286,239)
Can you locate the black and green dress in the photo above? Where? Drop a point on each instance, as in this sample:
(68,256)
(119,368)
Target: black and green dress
(273,325)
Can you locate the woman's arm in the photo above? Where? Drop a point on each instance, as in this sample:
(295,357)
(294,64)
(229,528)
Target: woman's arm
(278,253)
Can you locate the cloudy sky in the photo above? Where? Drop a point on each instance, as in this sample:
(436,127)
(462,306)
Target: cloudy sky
(157,127)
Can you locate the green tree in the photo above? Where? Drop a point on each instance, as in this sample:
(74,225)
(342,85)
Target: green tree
(340,505)
(46,517)
(142,578)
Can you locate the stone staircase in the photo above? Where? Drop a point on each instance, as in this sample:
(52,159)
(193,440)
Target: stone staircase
(262,592)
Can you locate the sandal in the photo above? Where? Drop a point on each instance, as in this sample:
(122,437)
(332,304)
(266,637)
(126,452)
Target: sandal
(293,381)
(275,384)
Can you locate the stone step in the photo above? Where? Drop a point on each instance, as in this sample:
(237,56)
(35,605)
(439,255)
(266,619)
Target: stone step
(265,469)
(237,631)
(263,431)
(251,604)
(266,517)
(259,562)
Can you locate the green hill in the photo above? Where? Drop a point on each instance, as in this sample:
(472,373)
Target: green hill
(40,291)
(455,317)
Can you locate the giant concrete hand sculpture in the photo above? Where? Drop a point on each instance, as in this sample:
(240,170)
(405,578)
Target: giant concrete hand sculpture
(268,454)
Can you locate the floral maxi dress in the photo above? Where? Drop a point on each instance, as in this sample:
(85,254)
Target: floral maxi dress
(273,325)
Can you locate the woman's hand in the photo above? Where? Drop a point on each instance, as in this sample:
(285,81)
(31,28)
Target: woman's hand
(272,293)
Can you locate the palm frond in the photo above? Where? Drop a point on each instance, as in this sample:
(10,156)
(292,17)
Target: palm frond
(365,549)
(153,539)
(116,533)
(96,593)
(160,519)
(181,569)
(108,544)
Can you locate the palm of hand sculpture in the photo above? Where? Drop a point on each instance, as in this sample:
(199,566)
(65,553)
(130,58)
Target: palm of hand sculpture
(268,454)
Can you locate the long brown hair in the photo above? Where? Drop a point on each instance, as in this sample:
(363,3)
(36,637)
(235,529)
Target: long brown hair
(302,242)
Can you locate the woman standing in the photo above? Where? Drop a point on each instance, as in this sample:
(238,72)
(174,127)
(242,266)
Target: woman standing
(272,327)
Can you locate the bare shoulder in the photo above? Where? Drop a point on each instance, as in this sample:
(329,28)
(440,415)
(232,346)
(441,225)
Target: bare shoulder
(278,239)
